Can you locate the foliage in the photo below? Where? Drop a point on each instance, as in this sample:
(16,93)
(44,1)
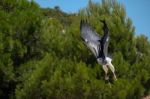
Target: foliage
(43,56)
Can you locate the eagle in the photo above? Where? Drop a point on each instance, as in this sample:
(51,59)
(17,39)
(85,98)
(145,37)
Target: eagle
(98,45)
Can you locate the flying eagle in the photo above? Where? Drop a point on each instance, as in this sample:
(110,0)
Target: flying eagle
(98,45)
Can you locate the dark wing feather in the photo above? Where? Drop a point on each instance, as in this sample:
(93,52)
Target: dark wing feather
(106,47)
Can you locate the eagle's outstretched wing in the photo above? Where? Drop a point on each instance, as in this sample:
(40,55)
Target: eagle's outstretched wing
(106,47)
(105,38)
(91,38)
(87,32)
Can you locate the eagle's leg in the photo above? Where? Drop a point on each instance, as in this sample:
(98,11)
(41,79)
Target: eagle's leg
(105,68)
(113,70)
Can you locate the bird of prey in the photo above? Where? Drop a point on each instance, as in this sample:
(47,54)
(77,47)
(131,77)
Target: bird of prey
(98,45)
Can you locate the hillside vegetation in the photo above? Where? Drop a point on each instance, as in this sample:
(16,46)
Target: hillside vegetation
(42,55)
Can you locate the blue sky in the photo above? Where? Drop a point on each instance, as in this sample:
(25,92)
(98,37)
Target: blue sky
(137,10)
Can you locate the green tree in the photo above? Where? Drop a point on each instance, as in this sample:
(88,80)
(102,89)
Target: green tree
(43,56)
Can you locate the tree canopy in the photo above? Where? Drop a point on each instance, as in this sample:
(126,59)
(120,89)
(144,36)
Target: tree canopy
(43,56)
